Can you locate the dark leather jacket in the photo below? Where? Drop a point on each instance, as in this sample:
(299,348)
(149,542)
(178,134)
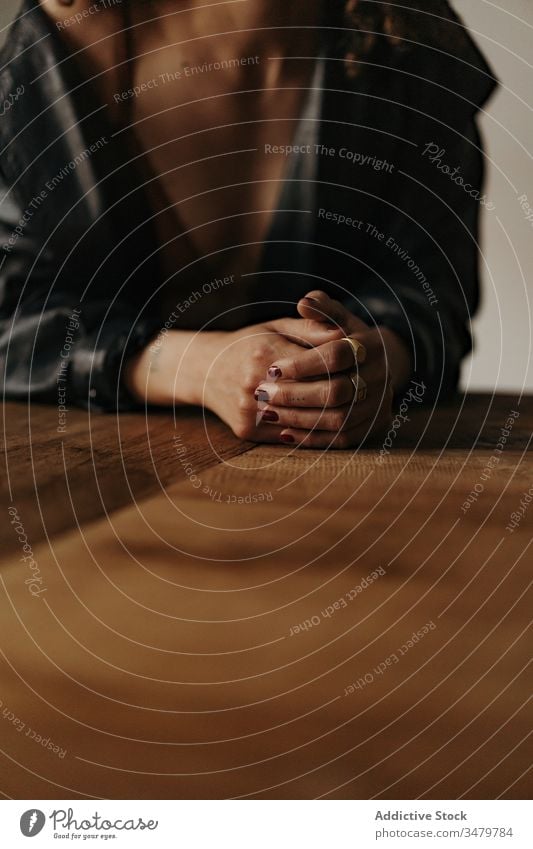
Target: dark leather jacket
(79,255)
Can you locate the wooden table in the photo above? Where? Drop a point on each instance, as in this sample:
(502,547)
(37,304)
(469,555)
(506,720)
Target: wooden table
(197,617)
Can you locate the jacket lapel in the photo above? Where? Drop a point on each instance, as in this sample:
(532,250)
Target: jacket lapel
(57,140)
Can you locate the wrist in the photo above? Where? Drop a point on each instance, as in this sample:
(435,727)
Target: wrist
(172,369)
(398,358)
(196,359)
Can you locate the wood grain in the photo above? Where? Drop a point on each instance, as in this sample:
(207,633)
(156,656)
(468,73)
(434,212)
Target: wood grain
(59,480)
(242,630)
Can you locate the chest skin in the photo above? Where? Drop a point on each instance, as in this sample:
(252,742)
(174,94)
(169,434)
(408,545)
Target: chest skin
(200,104)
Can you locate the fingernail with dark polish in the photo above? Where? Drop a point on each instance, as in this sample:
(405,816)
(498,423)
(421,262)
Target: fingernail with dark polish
(270,416)
(311,300)
(261,395)
(274,373)
(288,438)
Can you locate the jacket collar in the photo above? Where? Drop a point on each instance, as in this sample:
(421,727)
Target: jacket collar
(56,112)
(446,77)
(453,74)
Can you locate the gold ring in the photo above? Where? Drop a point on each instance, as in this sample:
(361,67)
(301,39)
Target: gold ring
(360,388)
(359,350)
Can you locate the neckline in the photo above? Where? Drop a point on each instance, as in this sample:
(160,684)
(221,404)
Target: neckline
(84,96)
(298,180)
(310,109)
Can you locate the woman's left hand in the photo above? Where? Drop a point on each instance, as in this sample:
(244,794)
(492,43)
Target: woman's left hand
(312,395)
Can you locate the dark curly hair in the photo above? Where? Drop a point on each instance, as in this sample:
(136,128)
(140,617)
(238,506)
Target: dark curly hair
(381,30)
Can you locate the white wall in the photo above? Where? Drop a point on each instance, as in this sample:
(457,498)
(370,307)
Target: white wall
(503,329)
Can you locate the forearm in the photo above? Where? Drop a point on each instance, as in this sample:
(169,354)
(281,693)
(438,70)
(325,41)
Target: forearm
(172,369)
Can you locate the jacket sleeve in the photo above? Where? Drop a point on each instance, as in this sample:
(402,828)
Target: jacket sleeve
(426,285)
(58,344)
(426,263)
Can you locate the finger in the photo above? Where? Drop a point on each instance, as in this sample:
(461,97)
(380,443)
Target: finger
(306,332)
(333,419)
(264,432)
(326,359)
(335,392)
(367,430)
(319,439)
(320,307)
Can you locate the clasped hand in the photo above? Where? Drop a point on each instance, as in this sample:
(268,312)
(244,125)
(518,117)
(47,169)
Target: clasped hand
(294,381)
